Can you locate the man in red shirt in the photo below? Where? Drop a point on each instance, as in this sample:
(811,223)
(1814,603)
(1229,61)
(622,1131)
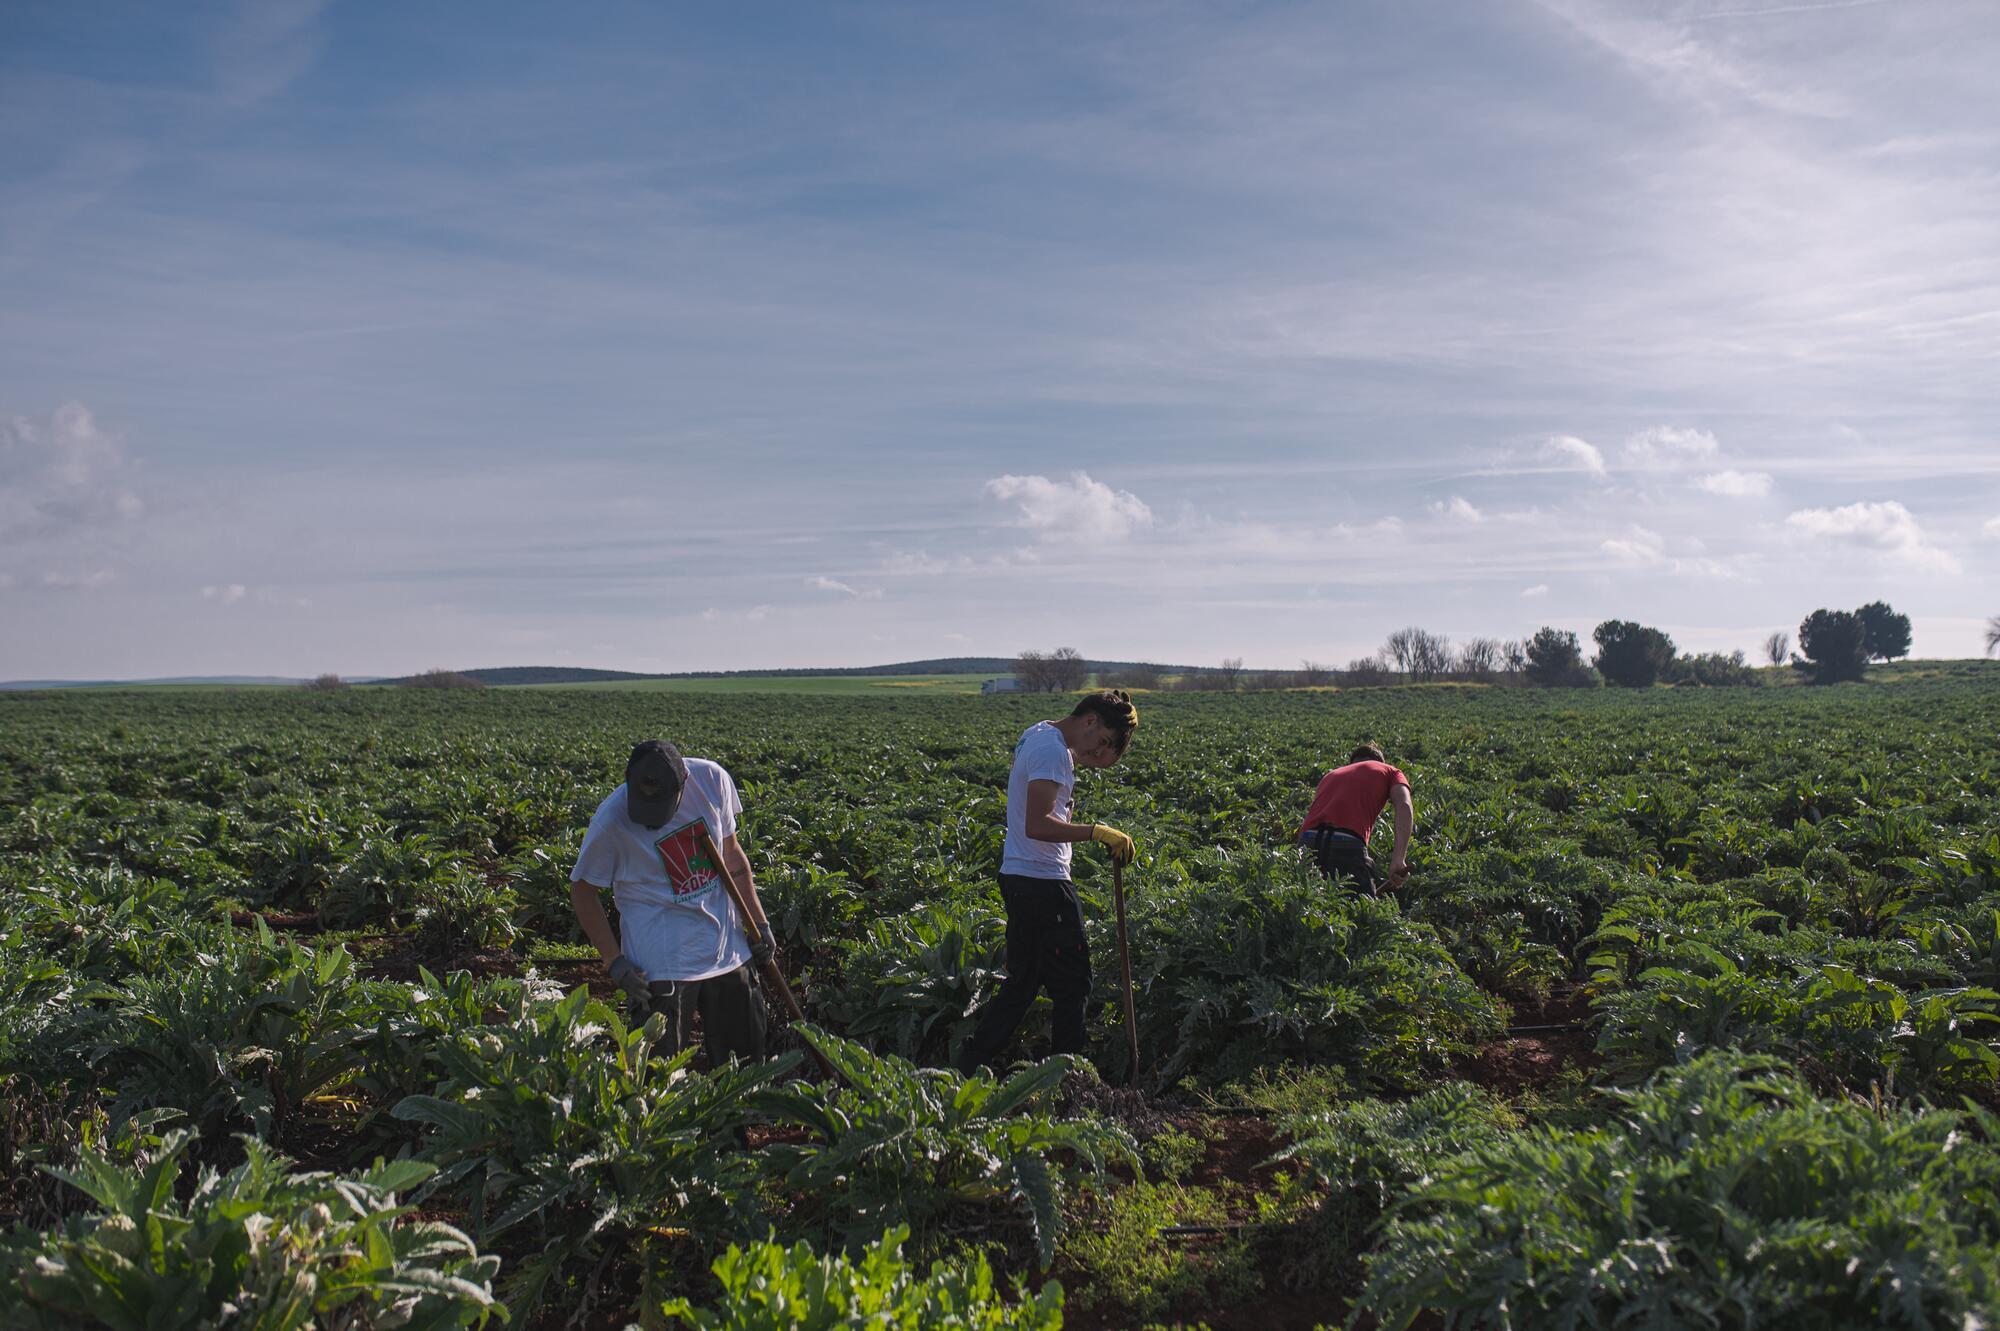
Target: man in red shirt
(1343,813)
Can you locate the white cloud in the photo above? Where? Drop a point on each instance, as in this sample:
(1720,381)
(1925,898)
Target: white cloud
(78,582)
(1458,509)
(1535,592)
(1991,531)
(1637,549)
(1670,446)
(711,615)
(1574,454)
(1077,509)
(822,583)
(60,472)
(758,613)
(228,594)
(1737,484)
(1886,528)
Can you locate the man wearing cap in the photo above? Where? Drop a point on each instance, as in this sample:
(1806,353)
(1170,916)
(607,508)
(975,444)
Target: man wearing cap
(1345,806)
(684,949)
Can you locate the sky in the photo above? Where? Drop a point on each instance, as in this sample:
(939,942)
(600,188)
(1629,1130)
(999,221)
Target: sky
(375,338)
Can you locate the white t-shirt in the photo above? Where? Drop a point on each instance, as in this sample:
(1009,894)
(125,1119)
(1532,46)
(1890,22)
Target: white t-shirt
(676,917)
(1040,755)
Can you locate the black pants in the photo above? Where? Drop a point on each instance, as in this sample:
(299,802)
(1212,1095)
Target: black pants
(732,1015)
(1045,949)
(1343,857)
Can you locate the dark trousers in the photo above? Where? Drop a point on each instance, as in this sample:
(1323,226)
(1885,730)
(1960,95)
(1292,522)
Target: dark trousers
(732,1015)
(1343,857)
(1045,949)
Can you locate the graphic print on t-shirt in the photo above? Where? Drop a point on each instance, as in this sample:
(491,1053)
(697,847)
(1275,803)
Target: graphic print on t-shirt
(690,871)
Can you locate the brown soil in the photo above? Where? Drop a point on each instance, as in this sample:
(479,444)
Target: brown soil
(281,921)
(1529,1059)
(402,966)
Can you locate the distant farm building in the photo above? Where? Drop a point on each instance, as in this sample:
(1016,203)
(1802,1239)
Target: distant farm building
(1005,684)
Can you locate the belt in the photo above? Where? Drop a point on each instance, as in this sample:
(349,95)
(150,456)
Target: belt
(1317,836)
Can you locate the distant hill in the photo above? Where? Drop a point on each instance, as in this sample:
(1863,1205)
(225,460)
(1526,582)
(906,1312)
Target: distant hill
(132,683)
(500,676)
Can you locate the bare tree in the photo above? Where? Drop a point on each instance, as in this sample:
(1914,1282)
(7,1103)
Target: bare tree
(1418,654)
(327,683)
(1364,671)
(1228,673)
(1060,671)
(1514,655)
(1777,647)
(1479,657)
(1993,635)
(1313,675)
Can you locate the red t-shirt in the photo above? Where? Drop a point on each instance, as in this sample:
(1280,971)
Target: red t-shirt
(1353,797)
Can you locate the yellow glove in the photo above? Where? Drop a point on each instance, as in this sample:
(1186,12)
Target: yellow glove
(1120,845)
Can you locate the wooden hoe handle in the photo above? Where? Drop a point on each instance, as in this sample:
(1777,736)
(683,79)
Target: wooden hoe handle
(772,975)
(1125,969)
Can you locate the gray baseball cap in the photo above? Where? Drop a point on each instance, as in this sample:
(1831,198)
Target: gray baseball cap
(654,777)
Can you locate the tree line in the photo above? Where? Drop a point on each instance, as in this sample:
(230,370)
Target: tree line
(1833,645)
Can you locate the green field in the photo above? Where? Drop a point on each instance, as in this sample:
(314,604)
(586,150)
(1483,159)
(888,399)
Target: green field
(1692,994)
(835,686)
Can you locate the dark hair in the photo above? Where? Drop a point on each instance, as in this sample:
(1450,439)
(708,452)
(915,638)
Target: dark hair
(1366,753)
(1112,707)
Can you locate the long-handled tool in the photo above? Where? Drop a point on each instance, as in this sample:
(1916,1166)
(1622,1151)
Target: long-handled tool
(772,975)
(1125,968)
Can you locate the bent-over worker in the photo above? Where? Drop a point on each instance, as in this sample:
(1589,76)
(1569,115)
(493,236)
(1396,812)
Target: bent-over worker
(1343,814)
(684,950)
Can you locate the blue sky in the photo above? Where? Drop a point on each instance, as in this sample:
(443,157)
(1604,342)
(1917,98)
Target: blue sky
(373,338)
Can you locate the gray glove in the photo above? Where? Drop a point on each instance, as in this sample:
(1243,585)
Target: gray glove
(760,951)
(625,973)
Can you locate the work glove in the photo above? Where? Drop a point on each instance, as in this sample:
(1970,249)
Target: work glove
(1121,847)
(761,951)
(625,973)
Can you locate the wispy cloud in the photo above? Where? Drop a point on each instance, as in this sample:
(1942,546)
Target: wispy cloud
(1078,509)
(1570,451)
(1670,446)
(226,593)
(1536,592)
(60,472)
(1638,548)
(822,583)
(1886,528)
(1731,484)
(1458,509)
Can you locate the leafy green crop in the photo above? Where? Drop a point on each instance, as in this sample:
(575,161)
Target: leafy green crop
(1725,1193)
(766,1287)
(556,1120)
(259,1248)
(928,1147)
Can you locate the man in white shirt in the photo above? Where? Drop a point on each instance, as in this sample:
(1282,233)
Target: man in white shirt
(1045,940)
(684,949)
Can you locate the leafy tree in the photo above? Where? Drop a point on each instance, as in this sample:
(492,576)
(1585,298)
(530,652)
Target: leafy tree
(1555,660)
(1888,633)
(1631,655)
(1835,644)
(1777,647)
